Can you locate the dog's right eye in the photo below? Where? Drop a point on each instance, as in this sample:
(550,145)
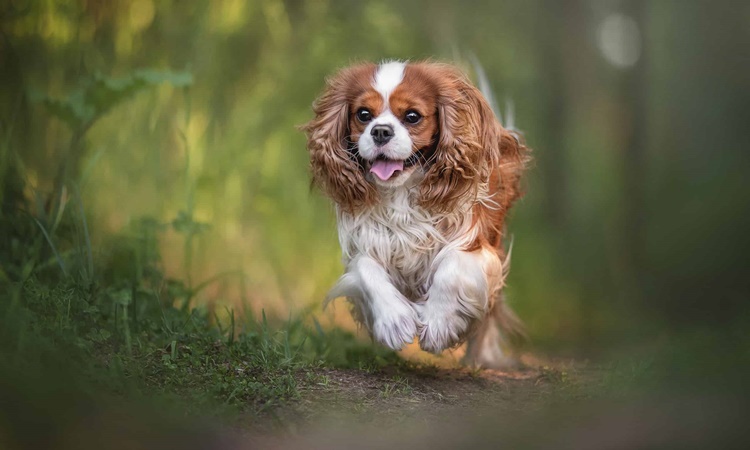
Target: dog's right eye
(364,115)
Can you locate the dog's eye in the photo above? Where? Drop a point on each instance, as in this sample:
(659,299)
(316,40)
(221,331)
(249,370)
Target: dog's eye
(364,115)
(412,116)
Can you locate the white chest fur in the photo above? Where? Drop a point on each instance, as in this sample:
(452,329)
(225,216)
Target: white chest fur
(403,237)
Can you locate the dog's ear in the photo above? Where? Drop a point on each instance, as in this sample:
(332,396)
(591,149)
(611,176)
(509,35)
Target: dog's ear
(514,157)
(335,169)
(464,148)
(471,146)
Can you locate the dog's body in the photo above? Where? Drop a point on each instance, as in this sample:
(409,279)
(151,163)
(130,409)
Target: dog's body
(422,175)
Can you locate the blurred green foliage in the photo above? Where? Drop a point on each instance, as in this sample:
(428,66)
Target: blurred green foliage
(99,94)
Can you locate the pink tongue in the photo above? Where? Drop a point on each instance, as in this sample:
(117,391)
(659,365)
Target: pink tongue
(384,168)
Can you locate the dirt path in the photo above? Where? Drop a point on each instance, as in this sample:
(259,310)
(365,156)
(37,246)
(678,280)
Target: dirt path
(413,396)
(393,396)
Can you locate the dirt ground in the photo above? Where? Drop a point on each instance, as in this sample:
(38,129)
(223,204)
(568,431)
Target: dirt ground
(413,396)
(545,404)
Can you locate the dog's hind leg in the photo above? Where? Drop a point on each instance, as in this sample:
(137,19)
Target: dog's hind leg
(489,346)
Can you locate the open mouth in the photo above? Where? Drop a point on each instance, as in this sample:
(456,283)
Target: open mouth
(385,168)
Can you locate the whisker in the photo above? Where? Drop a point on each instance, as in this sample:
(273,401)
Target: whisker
(425,162)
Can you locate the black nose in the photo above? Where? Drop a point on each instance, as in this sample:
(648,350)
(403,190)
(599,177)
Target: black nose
(381,134)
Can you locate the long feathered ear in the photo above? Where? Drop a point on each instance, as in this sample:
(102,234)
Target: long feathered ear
(514,157)
(336,169)
(471,146)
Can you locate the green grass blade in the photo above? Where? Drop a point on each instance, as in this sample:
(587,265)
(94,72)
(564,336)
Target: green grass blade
(86,236)
(52,246)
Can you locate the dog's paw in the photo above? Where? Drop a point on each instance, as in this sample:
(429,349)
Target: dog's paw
(441,328)
(396,327)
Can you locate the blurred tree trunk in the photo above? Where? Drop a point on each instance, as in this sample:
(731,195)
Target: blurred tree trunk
(567,64)
(698,217)
(557,16)
(632,92)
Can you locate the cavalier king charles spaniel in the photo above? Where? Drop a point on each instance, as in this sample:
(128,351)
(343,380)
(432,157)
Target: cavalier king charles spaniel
(422,175)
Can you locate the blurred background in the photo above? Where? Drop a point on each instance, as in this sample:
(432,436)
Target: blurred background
(635,221)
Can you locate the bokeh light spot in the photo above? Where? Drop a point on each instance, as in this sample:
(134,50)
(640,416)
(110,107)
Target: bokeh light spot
(619,40)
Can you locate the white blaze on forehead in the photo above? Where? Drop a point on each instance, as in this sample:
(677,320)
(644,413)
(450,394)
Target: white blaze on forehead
(388,77)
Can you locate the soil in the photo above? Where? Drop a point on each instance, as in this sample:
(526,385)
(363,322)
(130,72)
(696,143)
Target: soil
(413,396)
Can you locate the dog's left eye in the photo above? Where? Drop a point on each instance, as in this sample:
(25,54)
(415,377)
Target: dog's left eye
(412,116)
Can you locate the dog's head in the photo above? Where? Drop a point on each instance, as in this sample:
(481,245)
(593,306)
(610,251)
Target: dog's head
(378,127)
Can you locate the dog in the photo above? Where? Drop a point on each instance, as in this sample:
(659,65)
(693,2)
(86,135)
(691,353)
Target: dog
(422,175)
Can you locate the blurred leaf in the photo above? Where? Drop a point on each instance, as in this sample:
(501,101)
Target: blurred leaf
(72,110)
(99,335)
(148,224)
(184,223)
(122,297)
(104,92)
(99,93)
(177,289)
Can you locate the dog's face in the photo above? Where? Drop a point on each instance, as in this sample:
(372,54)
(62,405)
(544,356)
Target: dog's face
(394,124)
(378,127)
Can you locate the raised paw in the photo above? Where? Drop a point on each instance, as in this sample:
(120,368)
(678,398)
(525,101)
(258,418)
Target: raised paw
(396,327)
(441,328)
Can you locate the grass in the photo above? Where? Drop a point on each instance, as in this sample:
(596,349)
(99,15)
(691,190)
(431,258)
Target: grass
(144,347)
(399,387)
(143,340)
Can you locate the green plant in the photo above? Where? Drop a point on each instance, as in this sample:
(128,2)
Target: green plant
(399,387)
(84,106)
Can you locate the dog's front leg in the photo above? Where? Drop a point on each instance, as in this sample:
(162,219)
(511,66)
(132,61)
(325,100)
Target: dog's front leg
(460,292)
(387,314)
